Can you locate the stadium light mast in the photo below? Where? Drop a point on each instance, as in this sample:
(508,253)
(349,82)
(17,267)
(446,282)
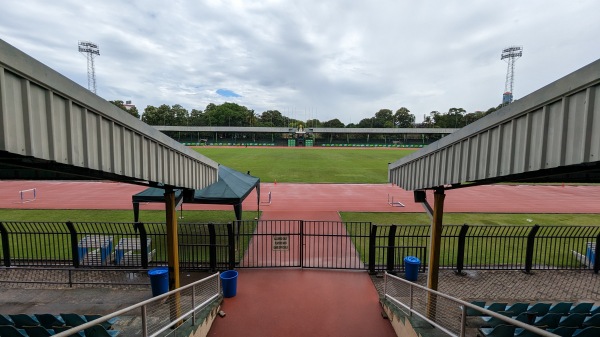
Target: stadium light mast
(510,55)
(90,50)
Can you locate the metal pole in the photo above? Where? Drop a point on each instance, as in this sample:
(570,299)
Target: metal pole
(434,250)
(172,250)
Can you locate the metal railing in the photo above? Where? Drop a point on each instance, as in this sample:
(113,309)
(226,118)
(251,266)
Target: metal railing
(178,308)
(446,313)
(297,243)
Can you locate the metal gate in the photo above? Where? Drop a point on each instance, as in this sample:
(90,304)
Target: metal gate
(297,243)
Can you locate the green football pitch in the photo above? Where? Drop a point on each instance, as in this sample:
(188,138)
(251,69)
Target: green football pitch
(309,165)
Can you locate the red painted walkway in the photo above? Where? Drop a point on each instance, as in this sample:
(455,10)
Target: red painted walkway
(301,302)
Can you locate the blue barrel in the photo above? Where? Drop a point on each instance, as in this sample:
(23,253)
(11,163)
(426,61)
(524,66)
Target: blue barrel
(229,282)
(411,268)
(159,280)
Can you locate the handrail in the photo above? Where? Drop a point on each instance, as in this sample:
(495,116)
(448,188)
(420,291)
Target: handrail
(464,304)
(142,305)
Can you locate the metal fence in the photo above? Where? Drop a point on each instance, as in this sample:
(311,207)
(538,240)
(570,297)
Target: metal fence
(446,313)
(296,243)
(177,309)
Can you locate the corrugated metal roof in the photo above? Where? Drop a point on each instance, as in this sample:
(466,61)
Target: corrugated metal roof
(554,131)
(48,122)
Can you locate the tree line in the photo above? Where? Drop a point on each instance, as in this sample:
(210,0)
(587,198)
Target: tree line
(232,114)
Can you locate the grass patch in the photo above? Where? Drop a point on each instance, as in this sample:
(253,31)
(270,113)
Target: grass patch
(306,165)
(476,218)
(86,215)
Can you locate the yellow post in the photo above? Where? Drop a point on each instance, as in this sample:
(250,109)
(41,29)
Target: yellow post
(172,250)
(434,249)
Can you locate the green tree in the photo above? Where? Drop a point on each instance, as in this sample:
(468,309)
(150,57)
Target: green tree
(403,118)
(383,119)
(271,118)
(334,123)
(131,110)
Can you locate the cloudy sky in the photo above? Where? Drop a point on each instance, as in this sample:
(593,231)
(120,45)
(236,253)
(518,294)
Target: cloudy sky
(309,58)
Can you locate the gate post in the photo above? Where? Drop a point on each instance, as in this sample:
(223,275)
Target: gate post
(391,247)
(460,254)
(5,246)
(529,251)
(143,243)
(597,255)
(372,243)
(212,249)
(301,224)
(74,249)
(231,245)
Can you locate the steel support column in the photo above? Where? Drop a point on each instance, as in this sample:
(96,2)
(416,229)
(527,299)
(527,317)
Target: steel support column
(434,251)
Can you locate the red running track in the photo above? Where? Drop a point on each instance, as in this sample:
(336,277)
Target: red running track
(310,198)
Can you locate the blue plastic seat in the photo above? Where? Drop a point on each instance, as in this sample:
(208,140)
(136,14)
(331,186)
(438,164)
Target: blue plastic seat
(106,324)
(591,321)
(48,320)
(490,321)
(4,320)
(22,320)
(561,308)
(549,320)
(573,320)
(591,331)
(496,306)
(38,331)
(563,331)
(520,332)
(475,312)
(11,331)
(540,309)
(517,308)
(498,331)
(99,331)
(582,308)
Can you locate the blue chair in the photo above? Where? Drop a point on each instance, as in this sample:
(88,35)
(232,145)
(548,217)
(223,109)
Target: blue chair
(520,332)
(22,320)
(591,331)
(582,308)
(106,324)
(99,331)
(498,331)
(595,310)
(490,321)
(48,320)
(561,308)
(6,321)
(591,321)
(11,331)
(549,320)
(563,331)
(73,319)
(496,307)
(58,329)
(572,321)
(517,308)
(475,312)
(540,309)
(38,331)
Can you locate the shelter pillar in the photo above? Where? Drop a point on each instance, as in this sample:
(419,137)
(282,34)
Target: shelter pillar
(434,249)
(172,249)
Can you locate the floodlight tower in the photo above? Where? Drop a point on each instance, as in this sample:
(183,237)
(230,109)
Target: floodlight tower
(510,55)
(90,50)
